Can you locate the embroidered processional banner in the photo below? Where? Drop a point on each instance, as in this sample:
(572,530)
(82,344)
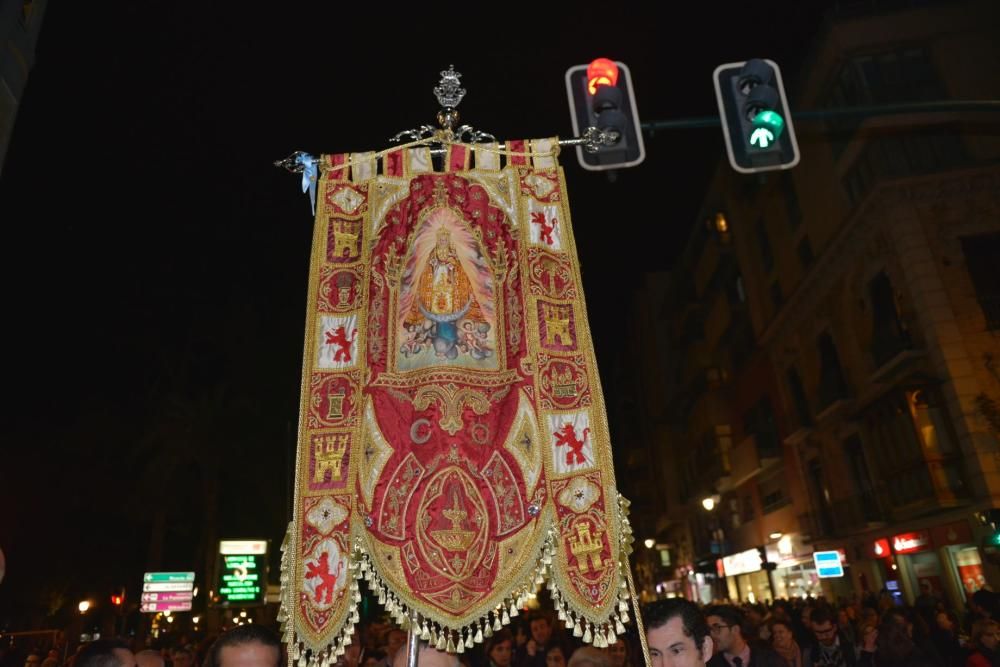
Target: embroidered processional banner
(453,444)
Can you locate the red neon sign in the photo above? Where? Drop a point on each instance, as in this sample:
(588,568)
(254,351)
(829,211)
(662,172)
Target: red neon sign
(881,548)
(907,543)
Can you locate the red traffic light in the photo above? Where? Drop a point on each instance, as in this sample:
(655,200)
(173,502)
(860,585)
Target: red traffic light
(117,600)
(601,72)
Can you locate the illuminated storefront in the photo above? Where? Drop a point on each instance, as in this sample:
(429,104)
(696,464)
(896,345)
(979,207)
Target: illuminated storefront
(746,577)
(794,575)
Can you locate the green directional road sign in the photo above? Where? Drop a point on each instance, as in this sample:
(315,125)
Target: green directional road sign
(151,577)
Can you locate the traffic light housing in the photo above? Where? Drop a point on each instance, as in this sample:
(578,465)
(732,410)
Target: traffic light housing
(600,95)
(756,121)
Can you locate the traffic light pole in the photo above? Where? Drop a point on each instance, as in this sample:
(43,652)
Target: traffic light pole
(948,106)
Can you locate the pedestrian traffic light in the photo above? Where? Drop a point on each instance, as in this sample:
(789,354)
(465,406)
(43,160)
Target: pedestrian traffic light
(600,96)
(756,122)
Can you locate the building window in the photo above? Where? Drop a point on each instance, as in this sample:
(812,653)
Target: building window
(799,399)
(887,156)
(759,422)
(772,493)
(889,335)
(764,243)
(805,252)
(865,499)
(931,423)
(982,257)
(901,75)
(832,385)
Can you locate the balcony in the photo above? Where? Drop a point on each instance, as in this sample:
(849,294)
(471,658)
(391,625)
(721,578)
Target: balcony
(925,486)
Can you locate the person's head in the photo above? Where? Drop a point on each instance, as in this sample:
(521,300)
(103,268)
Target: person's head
(427,656)
(726,625)
(182,657)
(894,643)
(250,645)
(53,654)
(588,656)
(394,640)
(33,660)
(824,628)
(541,629)
(149,658)
(105,653)
(945,621)
(781,633)
(556,655)
(352,652)
(986,634)
(618,653)
(499,649)
(676,633)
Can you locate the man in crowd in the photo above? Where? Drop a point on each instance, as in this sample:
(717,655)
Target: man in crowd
(676,633)
(251,645)
(149,658)
(726,623)
(533,652)
(105,653)
(830,648)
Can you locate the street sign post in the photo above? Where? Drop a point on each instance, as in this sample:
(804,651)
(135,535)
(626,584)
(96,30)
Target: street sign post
(167,591)
(828,564)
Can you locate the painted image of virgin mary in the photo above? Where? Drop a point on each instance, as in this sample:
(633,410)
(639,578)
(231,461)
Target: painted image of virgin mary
(446,303)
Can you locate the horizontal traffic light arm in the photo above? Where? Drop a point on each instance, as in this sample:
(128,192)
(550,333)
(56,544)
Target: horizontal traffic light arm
(945,106)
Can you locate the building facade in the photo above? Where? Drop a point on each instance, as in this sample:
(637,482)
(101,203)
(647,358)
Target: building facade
(834,366)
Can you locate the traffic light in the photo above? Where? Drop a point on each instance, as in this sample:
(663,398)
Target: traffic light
(117,600)
(600,95)
(755,118)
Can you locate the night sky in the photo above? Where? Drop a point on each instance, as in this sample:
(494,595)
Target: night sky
(156,263)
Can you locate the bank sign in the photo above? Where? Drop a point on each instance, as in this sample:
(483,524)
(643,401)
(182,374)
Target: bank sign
(242,573)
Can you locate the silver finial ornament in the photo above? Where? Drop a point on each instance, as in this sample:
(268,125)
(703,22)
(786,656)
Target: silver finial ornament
(449,91)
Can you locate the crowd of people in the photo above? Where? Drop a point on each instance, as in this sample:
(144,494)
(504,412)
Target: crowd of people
(679,633)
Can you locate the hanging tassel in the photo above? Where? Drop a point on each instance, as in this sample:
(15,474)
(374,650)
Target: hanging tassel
(469,643)
(479,633)
(450,646)
(624,616)
(425,633)
(441,645)
(302,661)
(612,638)
(619,628)
(513,610)
(505,619)
(577,630)
(497,625)
(587,636)
(296,652)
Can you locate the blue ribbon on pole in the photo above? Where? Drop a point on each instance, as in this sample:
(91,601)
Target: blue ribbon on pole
(310,173)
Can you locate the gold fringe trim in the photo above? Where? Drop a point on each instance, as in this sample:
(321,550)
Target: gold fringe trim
(456,639)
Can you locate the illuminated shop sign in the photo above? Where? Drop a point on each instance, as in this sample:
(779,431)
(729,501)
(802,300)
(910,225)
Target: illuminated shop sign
(881,548)
(908,543)
(743,562)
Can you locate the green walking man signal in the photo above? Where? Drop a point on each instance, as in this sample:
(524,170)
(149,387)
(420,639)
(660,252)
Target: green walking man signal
(755,119)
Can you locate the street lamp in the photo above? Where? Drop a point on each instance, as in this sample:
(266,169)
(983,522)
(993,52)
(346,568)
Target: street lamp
(649,542)
(84,606)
